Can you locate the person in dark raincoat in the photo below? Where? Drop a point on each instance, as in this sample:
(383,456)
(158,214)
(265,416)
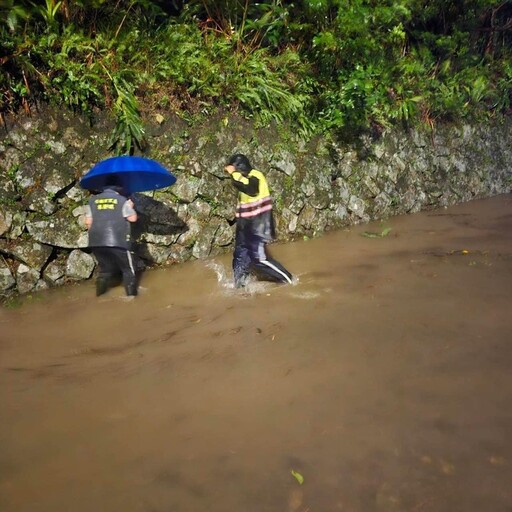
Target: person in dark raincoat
(108,219)
(254,225)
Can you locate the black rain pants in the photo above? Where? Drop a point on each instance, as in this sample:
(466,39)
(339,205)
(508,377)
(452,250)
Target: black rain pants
(251,256)
(113,261)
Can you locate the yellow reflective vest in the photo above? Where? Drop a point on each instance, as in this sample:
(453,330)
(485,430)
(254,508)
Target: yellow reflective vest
(254,206)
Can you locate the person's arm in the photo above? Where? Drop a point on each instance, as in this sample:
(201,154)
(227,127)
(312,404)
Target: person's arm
(248,185)
(88,217)
(129,212)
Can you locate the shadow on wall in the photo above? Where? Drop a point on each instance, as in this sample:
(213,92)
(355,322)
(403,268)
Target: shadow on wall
(157,219)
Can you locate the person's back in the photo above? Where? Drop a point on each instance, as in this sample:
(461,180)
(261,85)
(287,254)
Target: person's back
(109,227)
(109,219)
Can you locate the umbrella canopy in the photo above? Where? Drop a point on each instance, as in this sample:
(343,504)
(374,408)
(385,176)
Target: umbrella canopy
(133,173)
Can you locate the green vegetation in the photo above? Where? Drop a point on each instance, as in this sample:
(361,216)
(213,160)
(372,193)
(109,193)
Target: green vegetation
(341,66)
(373,234)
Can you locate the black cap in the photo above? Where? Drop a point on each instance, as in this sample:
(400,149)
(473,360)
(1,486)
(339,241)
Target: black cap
(240,163)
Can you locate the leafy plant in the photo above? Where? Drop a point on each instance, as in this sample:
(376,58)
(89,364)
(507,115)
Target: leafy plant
(319,66)
(129,130)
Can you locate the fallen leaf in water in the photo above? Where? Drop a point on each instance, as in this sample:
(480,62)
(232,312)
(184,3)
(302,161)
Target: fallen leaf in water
(372,234)
(464,251)
(447,468)
(298,476)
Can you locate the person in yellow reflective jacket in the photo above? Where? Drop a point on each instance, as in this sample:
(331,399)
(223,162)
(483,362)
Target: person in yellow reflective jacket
(254,225)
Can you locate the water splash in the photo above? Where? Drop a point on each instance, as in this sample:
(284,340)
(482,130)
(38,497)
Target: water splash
(252,287)
(228,285)
(222,278)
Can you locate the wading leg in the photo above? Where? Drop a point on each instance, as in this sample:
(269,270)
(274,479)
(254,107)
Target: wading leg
(126,264)
(267,268)
(107,268)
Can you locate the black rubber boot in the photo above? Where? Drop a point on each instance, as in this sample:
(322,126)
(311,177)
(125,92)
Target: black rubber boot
(101,286)
(131,289)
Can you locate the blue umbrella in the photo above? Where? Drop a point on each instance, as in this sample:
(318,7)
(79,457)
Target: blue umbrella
(133,173)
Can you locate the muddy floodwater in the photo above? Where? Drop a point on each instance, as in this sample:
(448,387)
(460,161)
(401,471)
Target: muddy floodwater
(380,381)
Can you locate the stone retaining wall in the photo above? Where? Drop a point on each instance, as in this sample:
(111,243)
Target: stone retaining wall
(317,186)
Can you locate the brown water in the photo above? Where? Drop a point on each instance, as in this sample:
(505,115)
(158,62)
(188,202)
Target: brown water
(382,377)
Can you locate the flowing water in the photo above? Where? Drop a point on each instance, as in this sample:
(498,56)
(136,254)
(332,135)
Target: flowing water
(382,378)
